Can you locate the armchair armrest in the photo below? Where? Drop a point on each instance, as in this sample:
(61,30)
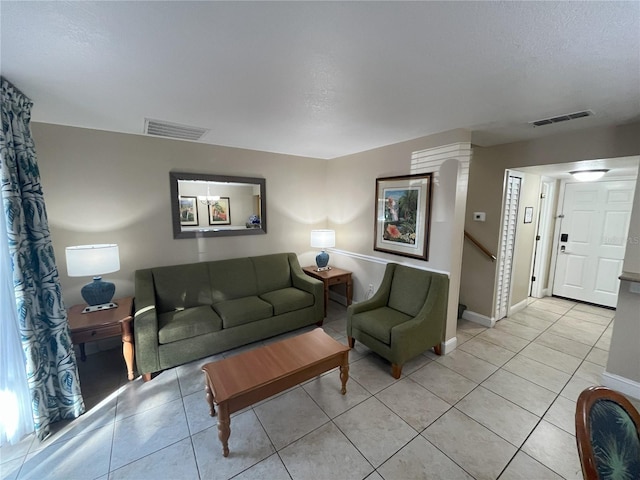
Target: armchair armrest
(145,323)
(379,299)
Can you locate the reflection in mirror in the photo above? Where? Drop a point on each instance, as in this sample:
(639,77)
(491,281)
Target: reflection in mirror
(204,205)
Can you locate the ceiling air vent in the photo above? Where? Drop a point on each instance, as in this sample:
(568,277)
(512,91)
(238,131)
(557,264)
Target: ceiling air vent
(173,130)
(562,118)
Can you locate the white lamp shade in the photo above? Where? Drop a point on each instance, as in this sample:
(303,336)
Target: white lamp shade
(323,238)
(90,260)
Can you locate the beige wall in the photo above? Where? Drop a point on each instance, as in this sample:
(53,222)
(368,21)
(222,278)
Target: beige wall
(351,199)
(103,187)
(486,186)
(350,204)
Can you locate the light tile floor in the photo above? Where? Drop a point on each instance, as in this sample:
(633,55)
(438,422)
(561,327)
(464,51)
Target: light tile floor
(500,406)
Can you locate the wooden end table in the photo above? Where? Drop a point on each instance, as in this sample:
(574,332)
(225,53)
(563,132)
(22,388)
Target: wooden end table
(244,379)
(335,276)
(93,326)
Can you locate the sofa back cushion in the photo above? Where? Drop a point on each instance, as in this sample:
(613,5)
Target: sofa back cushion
(181,286)
(231,279)
(273,272)
(409,289)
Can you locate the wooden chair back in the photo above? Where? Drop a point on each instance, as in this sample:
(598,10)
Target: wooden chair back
(607,435)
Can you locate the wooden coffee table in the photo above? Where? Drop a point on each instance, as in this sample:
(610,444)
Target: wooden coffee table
(244,379)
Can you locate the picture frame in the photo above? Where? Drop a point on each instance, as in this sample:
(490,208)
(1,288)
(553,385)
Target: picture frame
(188,211)
(220,212)
(403,215)
(528,214)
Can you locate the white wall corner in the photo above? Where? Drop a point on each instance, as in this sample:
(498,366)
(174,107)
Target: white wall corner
(449,346)
(623,385)
(478,318)
(518,306)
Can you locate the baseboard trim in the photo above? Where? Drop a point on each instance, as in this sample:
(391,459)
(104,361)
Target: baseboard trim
(382,261)
(518,306)
(449,346)
(624,385)
(478,318)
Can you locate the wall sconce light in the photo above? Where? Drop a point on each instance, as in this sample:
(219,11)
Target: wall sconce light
(94,260)
(589,175)
(323,239)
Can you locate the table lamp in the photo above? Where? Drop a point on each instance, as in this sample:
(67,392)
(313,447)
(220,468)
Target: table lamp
(323,239)
(94,260)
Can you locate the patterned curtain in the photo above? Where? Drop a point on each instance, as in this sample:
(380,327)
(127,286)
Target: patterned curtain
(52,372)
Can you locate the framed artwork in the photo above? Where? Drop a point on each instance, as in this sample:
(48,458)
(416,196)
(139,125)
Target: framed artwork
(188,211)
(528,214)
(220,212)
(403,215)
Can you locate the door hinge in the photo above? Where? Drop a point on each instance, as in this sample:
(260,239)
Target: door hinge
(537,238)
(533,279)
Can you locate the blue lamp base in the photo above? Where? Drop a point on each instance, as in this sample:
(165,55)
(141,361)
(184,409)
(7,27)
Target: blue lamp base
(322,260)
(98,295)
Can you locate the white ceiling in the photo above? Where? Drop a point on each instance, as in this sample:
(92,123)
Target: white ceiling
(325,79)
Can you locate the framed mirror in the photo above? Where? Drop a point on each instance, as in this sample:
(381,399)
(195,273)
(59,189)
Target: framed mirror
(205,205)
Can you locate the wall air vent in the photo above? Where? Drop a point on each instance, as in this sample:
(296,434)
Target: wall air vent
(173,130)
(562,118)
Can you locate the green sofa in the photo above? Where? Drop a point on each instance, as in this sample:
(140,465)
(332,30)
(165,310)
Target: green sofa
(405,317)
(187,312)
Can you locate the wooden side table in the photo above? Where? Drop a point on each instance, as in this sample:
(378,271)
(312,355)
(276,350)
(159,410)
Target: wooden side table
(335,276)
(93,326)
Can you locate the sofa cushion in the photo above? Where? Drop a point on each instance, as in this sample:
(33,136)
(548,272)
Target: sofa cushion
(181,286)
(379,322)
(188,323)
(404,296)
(242,310)
(287,300)
(231,279)
(272,272)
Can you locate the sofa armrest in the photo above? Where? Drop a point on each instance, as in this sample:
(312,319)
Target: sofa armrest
(145,323)
(304,282)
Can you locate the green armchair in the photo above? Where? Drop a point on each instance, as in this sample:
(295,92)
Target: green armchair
(405,317)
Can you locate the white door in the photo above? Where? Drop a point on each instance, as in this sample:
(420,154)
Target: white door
(507,244)
(593,233)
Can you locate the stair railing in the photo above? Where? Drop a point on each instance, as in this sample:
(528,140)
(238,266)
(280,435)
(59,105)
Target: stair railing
(481,247)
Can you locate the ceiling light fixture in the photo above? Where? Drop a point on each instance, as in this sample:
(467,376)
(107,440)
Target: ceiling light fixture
(589,175)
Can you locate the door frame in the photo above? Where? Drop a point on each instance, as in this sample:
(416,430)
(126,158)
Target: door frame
(539,266)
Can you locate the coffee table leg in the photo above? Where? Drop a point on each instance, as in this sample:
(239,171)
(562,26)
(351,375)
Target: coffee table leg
(224,427)
(344,376)
(212,409)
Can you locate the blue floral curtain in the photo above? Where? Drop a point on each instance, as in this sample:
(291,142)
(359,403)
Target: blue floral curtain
(52,372)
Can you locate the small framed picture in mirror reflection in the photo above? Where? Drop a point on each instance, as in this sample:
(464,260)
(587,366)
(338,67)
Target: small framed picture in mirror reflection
(188,211)
(220,212)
